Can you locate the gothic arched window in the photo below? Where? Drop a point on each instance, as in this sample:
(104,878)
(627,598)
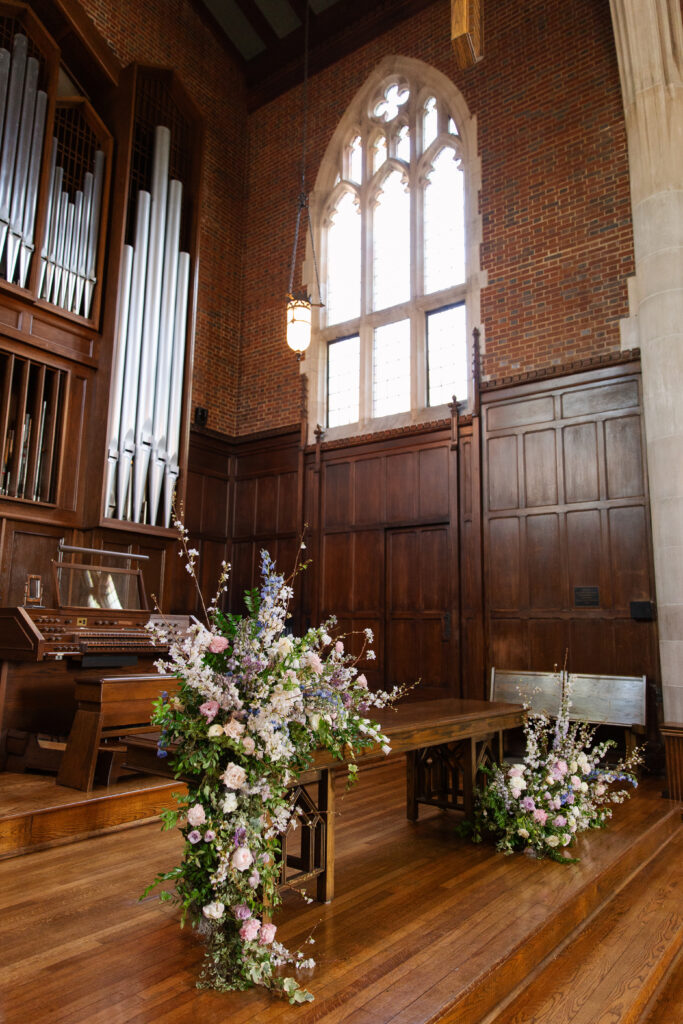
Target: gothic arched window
(395,212)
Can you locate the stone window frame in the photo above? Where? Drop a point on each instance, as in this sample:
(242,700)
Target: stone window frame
(423,81)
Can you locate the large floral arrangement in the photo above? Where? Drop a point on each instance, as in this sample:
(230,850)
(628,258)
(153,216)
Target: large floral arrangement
(561,788)
(252,705)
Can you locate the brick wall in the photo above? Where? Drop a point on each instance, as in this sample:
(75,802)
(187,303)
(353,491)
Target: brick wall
(555,196)
(171,33)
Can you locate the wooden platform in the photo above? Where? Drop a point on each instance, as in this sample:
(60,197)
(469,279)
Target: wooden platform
(36,813)
(425,928)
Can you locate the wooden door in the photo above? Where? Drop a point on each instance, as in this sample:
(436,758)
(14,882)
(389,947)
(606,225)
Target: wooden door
(421,620)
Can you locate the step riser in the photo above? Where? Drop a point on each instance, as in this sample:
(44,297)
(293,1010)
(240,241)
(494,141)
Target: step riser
(523,963)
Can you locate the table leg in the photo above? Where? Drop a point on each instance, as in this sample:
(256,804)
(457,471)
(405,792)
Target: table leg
(325,844)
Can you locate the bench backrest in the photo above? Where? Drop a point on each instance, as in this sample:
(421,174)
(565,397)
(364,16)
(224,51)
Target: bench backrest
(600,700)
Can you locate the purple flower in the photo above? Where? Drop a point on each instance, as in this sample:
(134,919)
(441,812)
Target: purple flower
(209,835)
(162,753)
(194,836)
(240,836)
(560,821)
(527,804)
(241,912)
(254,879)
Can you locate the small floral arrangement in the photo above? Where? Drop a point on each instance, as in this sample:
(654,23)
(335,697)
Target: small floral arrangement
(559,790)
(252,705)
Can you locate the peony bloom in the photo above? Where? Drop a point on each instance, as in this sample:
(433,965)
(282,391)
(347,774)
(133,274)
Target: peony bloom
(218,644)
(242,858)
(528,804)
(196,815)
(248,745)
(209,709)
(560,821)
(540,816)
(213,911)
(575,781)
(234,776)
(250,929)
(517,771)
(229,803)
(241,912)
(267,934)
(194,836)
(214,731)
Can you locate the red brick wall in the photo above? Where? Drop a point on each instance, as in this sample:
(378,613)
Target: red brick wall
(170,33)
(555,198)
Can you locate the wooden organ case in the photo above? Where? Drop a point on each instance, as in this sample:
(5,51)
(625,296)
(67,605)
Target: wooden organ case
(77,677)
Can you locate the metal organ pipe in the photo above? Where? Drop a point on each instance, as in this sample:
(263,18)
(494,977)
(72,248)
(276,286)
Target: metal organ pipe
(176,398)
(20,178)
(53,232)
(81,267)
(117,375)
(93,231)
(150,336)
(11,131)
(162,393)
(4,81)
(134,338)
(29,220)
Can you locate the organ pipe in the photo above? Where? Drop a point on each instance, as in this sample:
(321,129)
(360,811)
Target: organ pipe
(147,376)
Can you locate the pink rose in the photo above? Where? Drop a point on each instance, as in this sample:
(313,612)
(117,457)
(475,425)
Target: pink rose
(242,912)
(314,662)
(339,648)
(234,776)
(209,835)
(267,934)
(209,709)
(248,745)
(540,816)
(218,644)
(194,836)
(362,681)
(196,815)
(250,929)
(560,821)
(242,858)
(254,879)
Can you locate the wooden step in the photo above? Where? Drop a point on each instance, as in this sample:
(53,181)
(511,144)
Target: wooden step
(610,971)
(36,813)
(666,1004)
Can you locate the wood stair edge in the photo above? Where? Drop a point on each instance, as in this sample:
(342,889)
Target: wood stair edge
(101,798)
(470,1008)
(650,1013)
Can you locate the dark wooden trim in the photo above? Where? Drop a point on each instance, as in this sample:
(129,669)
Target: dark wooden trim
(611,359)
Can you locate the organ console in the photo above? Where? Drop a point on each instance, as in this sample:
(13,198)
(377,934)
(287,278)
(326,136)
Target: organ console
(76,677)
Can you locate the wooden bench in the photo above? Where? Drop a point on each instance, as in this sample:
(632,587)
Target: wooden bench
(107,708)
(598,700)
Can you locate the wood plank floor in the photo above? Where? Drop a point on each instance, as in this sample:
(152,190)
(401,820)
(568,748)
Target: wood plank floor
(421,930)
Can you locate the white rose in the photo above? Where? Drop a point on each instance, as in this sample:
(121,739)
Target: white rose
(229,803)
(552,841)
(242,858)
(248,745)
(215,730)
(523,833)
(584,787)
(233,729)
(517,783)
(234,776)
(283,647)
(314,721)
(573,767)
(214,911)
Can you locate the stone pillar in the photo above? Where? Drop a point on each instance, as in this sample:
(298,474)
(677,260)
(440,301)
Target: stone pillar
(649,43)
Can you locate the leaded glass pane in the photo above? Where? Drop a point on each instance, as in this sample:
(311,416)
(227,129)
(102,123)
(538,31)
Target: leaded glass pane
(343,262)
(446,355)
(343,381)
(430,122)
(391,369)
(391,243)
(444,225)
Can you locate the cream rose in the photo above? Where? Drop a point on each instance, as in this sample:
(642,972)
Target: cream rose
(214,730)
(234,776)
(214,911)
(242,858)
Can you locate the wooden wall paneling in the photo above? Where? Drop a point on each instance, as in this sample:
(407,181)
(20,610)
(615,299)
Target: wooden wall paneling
(467,500)
(29,548)
(433,476)
(337,493)
(337,574)
(288,518)
(402,486)
(564,515)
(71,478)
(370,491)
(266,501)
(244,508)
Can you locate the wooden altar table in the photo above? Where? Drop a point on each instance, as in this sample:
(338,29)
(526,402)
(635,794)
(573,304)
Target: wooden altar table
(447,742)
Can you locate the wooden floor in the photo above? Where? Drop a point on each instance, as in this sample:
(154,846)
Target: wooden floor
(425,928)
